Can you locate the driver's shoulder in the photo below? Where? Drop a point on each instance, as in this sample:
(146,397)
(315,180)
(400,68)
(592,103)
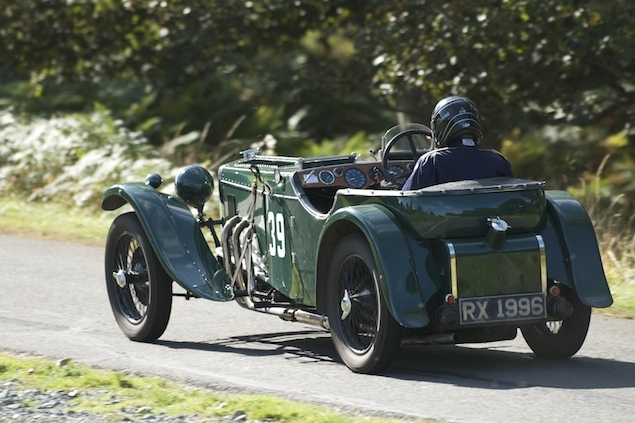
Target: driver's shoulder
(437,152)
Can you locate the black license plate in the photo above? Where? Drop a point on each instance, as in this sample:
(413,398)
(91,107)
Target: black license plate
(502,308)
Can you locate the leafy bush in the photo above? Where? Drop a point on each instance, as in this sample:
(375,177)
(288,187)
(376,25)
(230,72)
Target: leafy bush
(72,158)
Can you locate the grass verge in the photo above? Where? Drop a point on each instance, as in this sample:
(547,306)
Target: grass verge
(106,393)
(54,221)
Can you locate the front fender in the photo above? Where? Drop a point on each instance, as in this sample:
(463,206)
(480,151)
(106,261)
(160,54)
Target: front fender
(573,257)
(401,276)
(175,237)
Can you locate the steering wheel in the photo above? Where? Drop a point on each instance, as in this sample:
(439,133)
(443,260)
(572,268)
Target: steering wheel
(409,134)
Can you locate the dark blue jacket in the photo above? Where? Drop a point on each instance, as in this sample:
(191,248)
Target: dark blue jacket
(456,164)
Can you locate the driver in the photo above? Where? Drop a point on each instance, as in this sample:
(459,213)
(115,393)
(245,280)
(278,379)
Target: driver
(456,128)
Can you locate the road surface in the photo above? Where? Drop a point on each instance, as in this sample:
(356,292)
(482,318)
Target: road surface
(53,302)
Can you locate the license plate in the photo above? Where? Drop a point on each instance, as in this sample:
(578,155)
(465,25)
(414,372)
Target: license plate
(502,308)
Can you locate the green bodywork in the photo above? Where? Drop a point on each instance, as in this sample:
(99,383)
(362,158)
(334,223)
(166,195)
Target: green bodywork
(573,257)
(176,238)
(409,232)
(411,244)
(426,243)
(401,262)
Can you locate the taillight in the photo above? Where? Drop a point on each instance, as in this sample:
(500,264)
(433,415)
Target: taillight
(554,290)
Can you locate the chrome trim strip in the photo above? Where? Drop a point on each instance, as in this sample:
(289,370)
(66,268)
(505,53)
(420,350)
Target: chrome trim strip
(286,197)
(453,276)
(235,184)
(543,263)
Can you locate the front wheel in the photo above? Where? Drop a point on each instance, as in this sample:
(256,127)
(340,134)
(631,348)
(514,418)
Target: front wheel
(365,334)
(139,289)
(561,338)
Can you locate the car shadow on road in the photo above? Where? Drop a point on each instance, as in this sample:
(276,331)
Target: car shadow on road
(313,345)
(493,368)
(461,365)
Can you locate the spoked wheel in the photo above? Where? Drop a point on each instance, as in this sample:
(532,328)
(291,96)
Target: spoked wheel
(365,334)
(139,289)
(560,338)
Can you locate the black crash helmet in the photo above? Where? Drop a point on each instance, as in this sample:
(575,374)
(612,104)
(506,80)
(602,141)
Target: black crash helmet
(453,117)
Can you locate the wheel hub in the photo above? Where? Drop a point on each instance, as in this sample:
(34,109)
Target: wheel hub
(345,305)
(120,278)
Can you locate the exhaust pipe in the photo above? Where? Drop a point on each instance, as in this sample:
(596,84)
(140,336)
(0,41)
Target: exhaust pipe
(225,234)
(238,253)
(293,314)
(231,232)
(306,317)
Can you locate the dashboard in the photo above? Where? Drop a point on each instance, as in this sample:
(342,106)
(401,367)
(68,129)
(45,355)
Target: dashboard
(354,175)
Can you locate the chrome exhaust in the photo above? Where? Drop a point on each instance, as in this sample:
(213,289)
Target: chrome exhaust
(225,234)
(306,317)
(239,254)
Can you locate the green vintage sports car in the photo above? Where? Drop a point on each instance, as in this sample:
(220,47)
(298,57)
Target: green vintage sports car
(330,241)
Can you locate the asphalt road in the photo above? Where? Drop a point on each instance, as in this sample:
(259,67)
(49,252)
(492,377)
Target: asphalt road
(53,302)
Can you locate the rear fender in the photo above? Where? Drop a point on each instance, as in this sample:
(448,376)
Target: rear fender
(176,238)
(573,257)
(405,283)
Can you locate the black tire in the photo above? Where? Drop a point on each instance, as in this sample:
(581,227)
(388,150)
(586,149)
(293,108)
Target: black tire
(368,338)
(561,338)
(143,302)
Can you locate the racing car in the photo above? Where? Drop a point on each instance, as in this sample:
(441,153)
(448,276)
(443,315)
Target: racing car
(333,242)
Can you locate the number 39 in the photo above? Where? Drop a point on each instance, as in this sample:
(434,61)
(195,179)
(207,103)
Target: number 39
(275,223)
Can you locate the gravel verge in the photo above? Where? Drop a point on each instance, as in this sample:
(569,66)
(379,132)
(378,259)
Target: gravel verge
(19,404)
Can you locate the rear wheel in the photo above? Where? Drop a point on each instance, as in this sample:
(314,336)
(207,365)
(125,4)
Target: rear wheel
(139,289)
(560,338)
(365,334)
